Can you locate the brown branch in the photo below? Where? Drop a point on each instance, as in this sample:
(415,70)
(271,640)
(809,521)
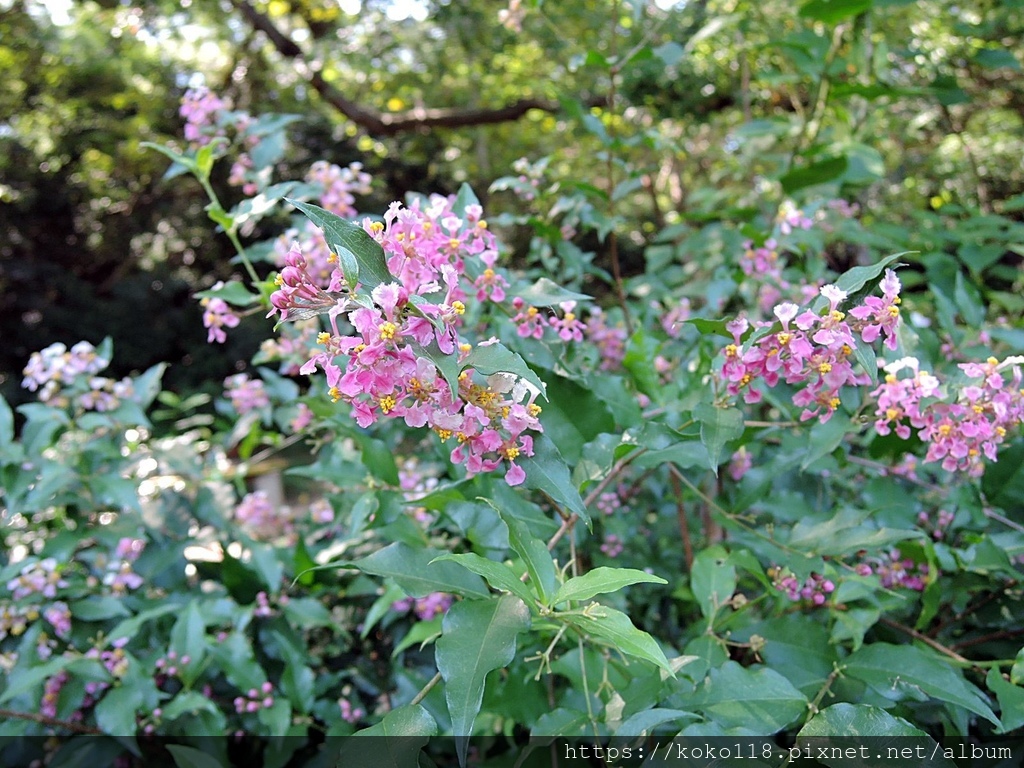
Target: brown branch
(377,123)
(35,717)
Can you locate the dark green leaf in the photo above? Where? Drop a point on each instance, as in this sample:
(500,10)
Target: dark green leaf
(712,580)
(820,172)
(341,234)
(834,11)
(888,668)
(497,358)
(600,581)
(614,629)
(548,473)
(761,700)
(477,637)
(415,571)
(717,427)
(189,757)
(534,553)
(498,575)
(547,293)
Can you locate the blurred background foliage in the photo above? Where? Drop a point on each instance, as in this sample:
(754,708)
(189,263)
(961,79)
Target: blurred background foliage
(913,109)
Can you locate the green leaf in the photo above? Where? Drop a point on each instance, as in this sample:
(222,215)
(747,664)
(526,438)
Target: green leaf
(601,581)
(188,702)
(856,720)
(709,327)
(497,358)
(421,633)
(1003,481)
(717,427)
(1017,670)
(825,438)
(344,235)
(712,580)
(760,700)
(97,608)
(547,293)
(548,473)
(415,571)
(477,637)
(614,629)
(796,645)
(188,638)
(128,627)
(889,668)
(115,713)
(820,172)
(846,532)
(177,157)
(834,11)
(6,423)
(233,293)
(498,575)
(465,198)
(534,553)
(645,721)
(1011,701)
(852,280)
(189,757)
(399,738)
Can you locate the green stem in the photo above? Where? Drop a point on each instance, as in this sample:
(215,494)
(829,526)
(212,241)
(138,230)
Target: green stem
(230,231)
(425,690)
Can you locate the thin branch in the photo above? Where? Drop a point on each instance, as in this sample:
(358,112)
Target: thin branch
(425,690)
(35,717)
(378,123)
(933,644)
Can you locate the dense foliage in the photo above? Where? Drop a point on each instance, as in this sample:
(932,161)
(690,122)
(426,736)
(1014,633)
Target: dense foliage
(704,423)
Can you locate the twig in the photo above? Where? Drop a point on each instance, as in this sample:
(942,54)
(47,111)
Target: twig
(425,690)
(933,644)
(35,717)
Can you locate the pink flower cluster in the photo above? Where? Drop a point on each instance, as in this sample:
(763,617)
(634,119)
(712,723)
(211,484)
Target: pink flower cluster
(340,186)
(612,546)
(963,434)
(261,519)
(246,394)
(56,370)
(201,109)
(895,570)
(217,315)
(349,713)
(815,589)
(425,608)
(810,349)
(40,577)
(383,372)
(256,700)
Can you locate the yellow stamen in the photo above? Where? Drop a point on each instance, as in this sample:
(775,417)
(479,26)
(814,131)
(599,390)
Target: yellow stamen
(784,337)
(323,337)
(377,227)
(387,403)
(892,414)
(511,452)
(482,224)
(834,403)
(535,410)
(458,308)
(334,393)
(387,330)
(824,367)
(731,350)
